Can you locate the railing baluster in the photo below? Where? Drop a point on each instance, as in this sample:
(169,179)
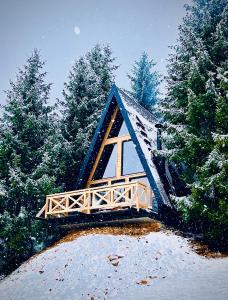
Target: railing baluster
(112,195)
(106,197)
(88,203)
(92,200)
(46,207)
(67,205)
(137,197)
(146,195)
(50,205)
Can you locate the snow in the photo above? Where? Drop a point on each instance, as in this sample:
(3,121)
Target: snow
(182,200)
(2,190)
(112,263)
(77,30)
(219,137)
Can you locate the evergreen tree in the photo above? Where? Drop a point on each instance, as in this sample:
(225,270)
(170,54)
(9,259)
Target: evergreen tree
(145,82)
(29,151)
(84,97)
(196,114)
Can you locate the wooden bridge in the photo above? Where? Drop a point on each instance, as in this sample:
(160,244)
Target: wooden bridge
(112,197)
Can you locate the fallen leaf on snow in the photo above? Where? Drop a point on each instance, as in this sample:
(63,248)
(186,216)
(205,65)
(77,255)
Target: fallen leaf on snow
(143,281)
(115,263)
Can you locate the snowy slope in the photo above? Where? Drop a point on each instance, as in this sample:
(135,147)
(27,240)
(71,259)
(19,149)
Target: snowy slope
(111,263)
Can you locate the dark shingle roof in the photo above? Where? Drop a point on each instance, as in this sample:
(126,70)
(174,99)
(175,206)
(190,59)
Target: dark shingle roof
(144,126)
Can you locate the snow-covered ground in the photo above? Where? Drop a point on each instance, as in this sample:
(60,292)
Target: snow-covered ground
(113,263)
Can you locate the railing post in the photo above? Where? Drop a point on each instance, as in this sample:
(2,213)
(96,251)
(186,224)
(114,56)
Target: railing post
(146,196)
(112,196)
(88,202)
(128,193)
(137,197)
(131,194)
(67,205)
(46,207)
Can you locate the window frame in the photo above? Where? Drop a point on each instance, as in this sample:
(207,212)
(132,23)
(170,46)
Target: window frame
(124,161)
(119,140)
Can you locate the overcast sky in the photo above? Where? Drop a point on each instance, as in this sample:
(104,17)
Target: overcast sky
(65,29)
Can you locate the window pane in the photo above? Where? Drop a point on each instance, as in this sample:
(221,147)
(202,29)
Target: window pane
(131,162)
(107,165)
(123,129)
(118,129)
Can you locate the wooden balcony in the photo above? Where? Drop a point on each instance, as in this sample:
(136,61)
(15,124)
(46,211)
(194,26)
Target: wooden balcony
(110,197)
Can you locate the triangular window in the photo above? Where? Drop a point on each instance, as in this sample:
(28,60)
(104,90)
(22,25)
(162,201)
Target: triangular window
(119,127)
(117,157)
(123,129)
(106,167)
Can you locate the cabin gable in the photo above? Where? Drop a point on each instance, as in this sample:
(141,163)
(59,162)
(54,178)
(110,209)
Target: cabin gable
(107,144)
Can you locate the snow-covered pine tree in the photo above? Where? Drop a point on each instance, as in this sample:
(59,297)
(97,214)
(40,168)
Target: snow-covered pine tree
(85,94)
(210,190)
(145,82)
(29,152)
(196,114)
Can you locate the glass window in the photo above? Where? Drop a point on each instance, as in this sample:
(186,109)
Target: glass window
(131,163)
(107,164)
(123,129)
(119,128)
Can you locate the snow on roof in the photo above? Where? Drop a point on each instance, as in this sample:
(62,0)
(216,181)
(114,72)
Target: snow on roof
(143,123)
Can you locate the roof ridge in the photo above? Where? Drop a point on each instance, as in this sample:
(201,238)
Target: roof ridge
(149,114)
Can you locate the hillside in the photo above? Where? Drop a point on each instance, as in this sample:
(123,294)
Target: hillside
(133,261)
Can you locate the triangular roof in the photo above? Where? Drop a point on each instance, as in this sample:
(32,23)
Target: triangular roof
(141,126)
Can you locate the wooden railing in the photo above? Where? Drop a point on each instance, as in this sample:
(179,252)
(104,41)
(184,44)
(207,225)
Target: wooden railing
(118,196)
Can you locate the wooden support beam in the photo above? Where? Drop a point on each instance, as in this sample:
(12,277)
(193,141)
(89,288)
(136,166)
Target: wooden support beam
(126,178)
(114,140)
(119,160)
(102,145)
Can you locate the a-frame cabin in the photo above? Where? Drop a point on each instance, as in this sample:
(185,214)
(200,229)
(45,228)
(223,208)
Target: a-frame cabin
(119,170)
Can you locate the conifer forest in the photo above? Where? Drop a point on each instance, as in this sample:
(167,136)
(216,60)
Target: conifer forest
(44,141)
